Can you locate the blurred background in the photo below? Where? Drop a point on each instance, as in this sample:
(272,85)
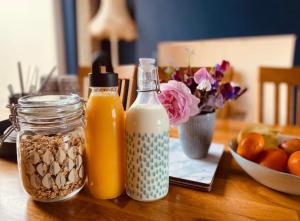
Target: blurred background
(55,43)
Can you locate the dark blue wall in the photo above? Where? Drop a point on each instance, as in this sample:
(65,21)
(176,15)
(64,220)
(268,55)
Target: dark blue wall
(69,20)
(161,20)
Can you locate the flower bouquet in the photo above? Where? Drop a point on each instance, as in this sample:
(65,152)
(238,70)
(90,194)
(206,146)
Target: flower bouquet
(191,101)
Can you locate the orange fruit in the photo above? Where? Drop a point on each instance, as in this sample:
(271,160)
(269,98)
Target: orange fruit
(290,146)
(251,145)
(273,158)
(294,163)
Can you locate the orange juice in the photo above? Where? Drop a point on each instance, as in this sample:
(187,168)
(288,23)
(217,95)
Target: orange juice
(105,144)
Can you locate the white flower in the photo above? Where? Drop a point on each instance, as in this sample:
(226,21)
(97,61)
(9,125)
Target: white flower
(204,85)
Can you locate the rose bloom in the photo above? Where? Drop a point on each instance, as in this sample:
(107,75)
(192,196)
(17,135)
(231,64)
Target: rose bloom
(177,99)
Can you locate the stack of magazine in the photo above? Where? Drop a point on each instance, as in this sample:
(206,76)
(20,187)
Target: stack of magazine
(193,173)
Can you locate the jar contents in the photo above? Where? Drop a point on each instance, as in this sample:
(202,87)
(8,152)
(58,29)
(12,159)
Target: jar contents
(147,140)
(52,165)
(105,137)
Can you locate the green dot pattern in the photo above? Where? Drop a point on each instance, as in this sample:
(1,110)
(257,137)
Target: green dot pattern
(147,176)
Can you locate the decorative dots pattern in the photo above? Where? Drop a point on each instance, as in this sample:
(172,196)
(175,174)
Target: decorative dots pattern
(147,176)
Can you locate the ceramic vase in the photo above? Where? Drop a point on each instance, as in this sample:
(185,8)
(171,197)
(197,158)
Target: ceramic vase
(196,135)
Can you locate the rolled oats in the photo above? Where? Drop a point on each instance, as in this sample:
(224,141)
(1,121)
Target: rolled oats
(35,157)
(30,168)
(69,164)
(48,157)
(52,165)
(42,168)
(60,180)
(54,168)
(60,156)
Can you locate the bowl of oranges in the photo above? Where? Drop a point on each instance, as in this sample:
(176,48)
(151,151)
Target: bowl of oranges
(271,158)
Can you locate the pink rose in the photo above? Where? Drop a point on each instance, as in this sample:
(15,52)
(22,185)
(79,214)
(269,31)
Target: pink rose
(177,99)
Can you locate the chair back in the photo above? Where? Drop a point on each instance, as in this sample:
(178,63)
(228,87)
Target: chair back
(127,83)
(277,76)
(83,73)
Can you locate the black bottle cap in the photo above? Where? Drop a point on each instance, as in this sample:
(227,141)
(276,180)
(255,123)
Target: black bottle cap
(108,79)
(98,79)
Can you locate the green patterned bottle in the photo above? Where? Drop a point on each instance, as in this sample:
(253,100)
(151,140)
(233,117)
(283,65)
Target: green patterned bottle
(147,139)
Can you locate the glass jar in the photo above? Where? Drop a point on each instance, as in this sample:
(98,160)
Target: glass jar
(50,145)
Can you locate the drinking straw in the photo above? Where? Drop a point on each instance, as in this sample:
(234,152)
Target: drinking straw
(36,78)
(28,76)
(47,79)
(33,81)
(21,77)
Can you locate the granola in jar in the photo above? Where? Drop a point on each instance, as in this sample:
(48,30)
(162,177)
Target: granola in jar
(52,166)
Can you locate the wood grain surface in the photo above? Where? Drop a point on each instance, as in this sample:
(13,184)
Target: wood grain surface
(235,196)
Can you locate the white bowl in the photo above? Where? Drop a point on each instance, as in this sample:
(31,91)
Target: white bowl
(273,179)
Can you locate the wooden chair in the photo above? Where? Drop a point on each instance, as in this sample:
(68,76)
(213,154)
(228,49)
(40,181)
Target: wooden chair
(83,73)
(127,82)
(288,76)
(165,74)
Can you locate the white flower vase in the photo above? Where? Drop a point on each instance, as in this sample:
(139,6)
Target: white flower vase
(196,135)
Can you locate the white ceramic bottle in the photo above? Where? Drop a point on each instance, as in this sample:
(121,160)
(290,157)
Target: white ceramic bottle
(147,139)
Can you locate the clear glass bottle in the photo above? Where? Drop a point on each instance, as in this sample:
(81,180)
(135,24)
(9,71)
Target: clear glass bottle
(50,145)
(105,137)
(147,139)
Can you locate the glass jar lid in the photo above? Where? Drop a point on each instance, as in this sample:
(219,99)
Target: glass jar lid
(48,100)
(49,108)
(47,112)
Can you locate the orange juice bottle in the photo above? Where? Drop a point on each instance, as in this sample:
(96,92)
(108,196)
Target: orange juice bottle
(105,137)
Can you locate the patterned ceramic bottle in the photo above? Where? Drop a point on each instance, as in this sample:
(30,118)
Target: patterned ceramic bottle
(147,139)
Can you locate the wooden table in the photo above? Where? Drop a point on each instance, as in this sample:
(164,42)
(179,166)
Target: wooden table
(235,196)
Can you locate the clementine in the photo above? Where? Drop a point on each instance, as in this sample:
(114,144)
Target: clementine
(290,146)
(251,145)
(273,158)
(294,163)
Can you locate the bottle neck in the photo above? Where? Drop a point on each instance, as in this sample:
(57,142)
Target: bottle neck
(147,78)
(149,97)
(108,91)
